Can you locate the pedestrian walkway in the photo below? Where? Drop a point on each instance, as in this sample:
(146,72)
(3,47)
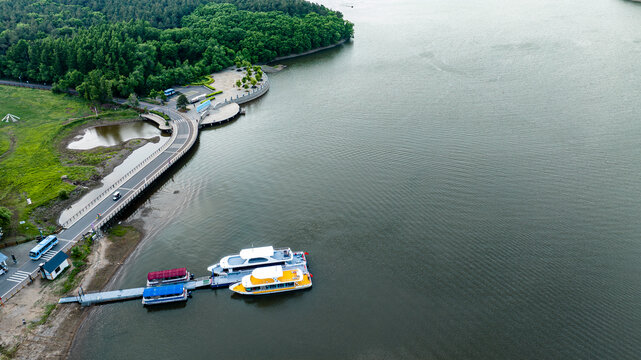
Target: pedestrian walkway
(18,276)
(46,257)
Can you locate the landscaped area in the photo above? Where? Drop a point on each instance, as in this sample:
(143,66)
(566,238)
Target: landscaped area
(31,170)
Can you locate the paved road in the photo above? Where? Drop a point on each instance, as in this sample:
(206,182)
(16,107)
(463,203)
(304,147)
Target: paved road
(186,131)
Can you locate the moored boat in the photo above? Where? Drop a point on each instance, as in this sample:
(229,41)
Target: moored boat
(164,294)
(271,280)
(165,277)
(252,258)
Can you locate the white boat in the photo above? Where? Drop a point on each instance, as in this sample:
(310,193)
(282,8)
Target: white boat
(271,280)
(164,294)
(166,277)
(252,258)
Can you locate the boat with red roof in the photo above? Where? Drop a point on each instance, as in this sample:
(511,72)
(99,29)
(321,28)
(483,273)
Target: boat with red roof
(165,277)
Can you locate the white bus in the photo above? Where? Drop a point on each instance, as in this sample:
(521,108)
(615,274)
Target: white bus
(197,98)
(42,247)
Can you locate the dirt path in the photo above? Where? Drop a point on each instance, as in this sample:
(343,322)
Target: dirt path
(36,339)
(12,146)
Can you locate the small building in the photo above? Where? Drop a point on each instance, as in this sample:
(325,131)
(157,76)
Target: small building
(3,263)
(52,268)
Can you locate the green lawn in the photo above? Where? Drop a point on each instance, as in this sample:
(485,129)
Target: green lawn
(4,142)
(33,170)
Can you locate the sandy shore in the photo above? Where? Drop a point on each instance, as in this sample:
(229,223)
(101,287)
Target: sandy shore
(45,336)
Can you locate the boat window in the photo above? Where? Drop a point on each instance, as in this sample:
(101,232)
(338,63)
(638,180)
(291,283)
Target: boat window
(256,260)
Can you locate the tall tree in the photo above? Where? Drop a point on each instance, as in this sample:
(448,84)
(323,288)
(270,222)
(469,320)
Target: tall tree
(182,102)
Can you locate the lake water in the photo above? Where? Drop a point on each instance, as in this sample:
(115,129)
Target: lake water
(465,176)
(110,135)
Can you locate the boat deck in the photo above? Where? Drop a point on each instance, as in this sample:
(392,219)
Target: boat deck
(299,261)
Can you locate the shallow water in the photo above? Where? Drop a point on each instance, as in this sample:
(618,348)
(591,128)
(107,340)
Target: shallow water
(118,172)
(110,135)
(464,176)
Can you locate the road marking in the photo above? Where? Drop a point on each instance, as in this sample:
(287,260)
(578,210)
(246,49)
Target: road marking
(19,276)
(49,255)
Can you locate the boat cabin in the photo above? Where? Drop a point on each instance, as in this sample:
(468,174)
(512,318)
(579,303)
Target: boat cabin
(252,258)
(164,294)
(272,279)
(164,277)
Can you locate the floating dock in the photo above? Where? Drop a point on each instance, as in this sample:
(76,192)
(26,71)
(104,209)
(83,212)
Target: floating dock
(88,299)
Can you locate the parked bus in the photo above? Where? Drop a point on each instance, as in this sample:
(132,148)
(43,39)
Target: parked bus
(170,92)
(197,98)
(42,247)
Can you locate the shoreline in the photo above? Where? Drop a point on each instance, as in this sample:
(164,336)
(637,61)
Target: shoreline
(53,337)
(51,213)
(73,317)
(119,269)
(309,52)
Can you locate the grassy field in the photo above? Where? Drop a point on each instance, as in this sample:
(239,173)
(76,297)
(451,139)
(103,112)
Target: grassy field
(4,143)
(33,169)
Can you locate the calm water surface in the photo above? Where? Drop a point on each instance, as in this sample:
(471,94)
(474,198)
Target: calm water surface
(110,135)
(465,176)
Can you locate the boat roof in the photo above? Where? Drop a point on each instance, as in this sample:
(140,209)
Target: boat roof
(163,290)
(268,272)
(265,251)
(55,261)
(154,275)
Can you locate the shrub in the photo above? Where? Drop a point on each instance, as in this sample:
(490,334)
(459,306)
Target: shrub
(163,115)
(63,194)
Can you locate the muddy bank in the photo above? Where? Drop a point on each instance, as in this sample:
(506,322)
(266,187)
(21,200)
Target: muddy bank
(103,159)
(50,329)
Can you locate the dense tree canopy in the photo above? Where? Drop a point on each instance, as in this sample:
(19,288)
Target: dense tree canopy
(83,46)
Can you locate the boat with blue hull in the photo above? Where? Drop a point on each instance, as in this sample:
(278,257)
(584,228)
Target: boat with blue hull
(164,294)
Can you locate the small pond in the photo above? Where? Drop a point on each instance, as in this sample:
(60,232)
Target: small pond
(110,135)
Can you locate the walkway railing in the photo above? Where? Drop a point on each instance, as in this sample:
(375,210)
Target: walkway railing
(140,186)
(123,179)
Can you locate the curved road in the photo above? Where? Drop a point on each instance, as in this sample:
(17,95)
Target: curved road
(184,135)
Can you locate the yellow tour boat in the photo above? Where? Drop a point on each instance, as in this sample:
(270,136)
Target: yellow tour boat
(272,279)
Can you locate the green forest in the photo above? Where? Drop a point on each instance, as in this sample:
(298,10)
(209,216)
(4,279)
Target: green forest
(106,48)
